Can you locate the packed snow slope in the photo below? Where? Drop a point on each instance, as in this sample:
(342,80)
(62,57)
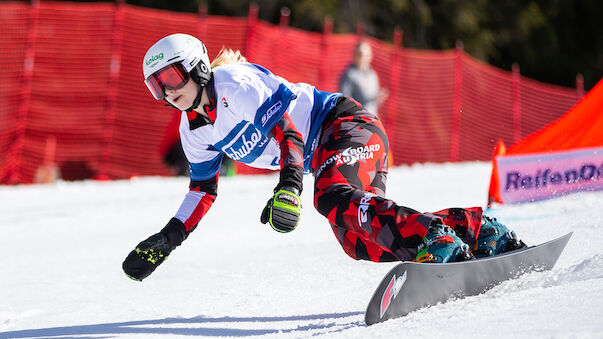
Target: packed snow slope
(63,244)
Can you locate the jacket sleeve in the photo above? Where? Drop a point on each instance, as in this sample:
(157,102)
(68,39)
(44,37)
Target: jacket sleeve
(292,146)
(198,200)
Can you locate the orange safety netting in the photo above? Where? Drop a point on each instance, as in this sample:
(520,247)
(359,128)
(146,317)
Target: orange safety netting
(72,79)
(579,128)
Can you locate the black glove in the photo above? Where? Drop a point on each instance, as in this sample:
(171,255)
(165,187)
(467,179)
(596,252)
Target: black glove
(150,253)
(282,210)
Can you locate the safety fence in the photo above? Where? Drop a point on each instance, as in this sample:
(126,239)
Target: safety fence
(72,90)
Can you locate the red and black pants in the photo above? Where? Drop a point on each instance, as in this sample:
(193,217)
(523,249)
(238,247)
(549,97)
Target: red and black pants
(350,168)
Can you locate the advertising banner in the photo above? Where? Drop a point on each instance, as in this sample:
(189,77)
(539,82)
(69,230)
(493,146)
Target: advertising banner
(538,176)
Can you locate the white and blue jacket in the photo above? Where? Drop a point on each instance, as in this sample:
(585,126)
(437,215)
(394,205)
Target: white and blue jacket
(249,102)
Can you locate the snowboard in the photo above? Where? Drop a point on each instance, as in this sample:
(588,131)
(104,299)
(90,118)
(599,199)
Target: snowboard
(410,286)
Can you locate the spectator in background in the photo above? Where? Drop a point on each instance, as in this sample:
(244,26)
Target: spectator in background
(360,81)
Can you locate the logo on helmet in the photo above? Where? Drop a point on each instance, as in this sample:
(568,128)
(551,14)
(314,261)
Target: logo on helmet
(154,58)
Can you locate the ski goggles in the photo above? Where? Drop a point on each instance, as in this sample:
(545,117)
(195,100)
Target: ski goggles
(173,76)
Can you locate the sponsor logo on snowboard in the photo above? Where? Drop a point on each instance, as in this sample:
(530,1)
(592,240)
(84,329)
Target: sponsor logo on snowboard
(391,292)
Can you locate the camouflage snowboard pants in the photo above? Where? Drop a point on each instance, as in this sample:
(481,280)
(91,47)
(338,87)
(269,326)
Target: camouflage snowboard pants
(350,169)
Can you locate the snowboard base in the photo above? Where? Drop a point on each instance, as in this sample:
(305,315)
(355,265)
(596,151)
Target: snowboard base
(410,286)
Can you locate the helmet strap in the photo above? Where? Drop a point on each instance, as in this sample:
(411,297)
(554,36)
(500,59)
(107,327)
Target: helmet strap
(202,76)
(210,108)
(209,84)
(197,100)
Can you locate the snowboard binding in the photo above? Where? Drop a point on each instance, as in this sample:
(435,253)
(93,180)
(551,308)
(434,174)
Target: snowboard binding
(495,238)
(441,244)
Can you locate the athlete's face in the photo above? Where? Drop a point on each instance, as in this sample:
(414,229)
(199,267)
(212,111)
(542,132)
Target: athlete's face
(183,97)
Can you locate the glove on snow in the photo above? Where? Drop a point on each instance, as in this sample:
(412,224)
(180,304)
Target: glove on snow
(150,253)
(282,210)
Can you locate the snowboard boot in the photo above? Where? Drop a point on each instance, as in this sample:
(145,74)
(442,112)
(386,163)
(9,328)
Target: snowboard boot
(441,245)
(495,238)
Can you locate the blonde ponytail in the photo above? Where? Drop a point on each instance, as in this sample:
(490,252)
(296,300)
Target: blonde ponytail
(227,56)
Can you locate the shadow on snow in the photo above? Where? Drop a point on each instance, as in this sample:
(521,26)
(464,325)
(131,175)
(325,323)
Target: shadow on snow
(162,326)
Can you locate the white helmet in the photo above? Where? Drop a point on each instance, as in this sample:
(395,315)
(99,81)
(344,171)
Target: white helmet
(178,53)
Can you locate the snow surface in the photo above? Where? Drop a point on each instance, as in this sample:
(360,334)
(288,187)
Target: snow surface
(63,244)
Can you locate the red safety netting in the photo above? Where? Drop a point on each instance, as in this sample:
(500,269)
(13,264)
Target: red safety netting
(14,19)
(72,73)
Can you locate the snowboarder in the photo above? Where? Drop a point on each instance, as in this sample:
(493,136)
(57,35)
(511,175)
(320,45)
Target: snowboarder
(243,111)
